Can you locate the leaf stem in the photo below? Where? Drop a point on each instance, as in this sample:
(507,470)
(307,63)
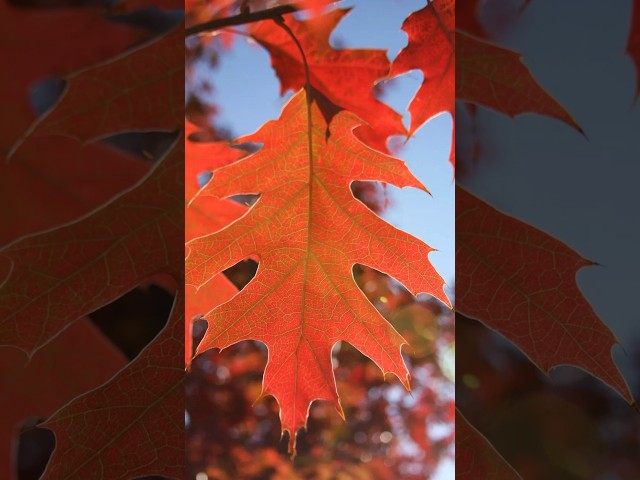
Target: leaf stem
(280,22)
(240,19)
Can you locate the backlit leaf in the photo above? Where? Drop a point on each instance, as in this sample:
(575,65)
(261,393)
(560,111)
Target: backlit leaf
(308,232)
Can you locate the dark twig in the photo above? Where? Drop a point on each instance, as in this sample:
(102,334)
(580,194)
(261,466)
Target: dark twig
(241,19)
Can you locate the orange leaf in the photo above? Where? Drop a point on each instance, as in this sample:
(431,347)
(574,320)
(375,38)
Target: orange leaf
(521,282)
(431,48)
(495,77)
(308,231)
(346,77)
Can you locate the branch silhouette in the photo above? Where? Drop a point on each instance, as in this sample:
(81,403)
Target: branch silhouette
(240,19)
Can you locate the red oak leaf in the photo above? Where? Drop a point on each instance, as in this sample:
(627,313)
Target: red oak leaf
(62,274)
(308,231)
(199,302)
(72,179)
(495,77)
(133,424)
(54,278)
(633,43)
(475,456)
(140,91)
(431,48)
(80,359)
(521,282)
(62,41)
(46,190)
(204,215)
(345,77)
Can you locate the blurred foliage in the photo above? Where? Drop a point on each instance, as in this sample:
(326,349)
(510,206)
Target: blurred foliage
(568,426)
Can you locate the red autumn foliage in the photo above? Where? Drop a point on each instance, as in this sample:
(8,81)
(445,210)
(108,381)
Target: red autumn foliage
(430,29)
(305,221)
(307,231)
(345,77)
(94,216)
(521,282)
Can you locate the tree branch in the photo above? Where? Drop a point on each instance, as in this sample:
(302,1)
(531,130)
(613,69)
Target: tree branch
(241,19)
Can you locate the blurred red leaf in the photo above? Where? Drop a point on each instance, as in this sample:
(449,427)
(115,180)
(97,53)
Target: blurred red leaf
(200,301)
(467,17)
(495,77)
(431,48)
(522,283)
(204,215)
(134,5)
